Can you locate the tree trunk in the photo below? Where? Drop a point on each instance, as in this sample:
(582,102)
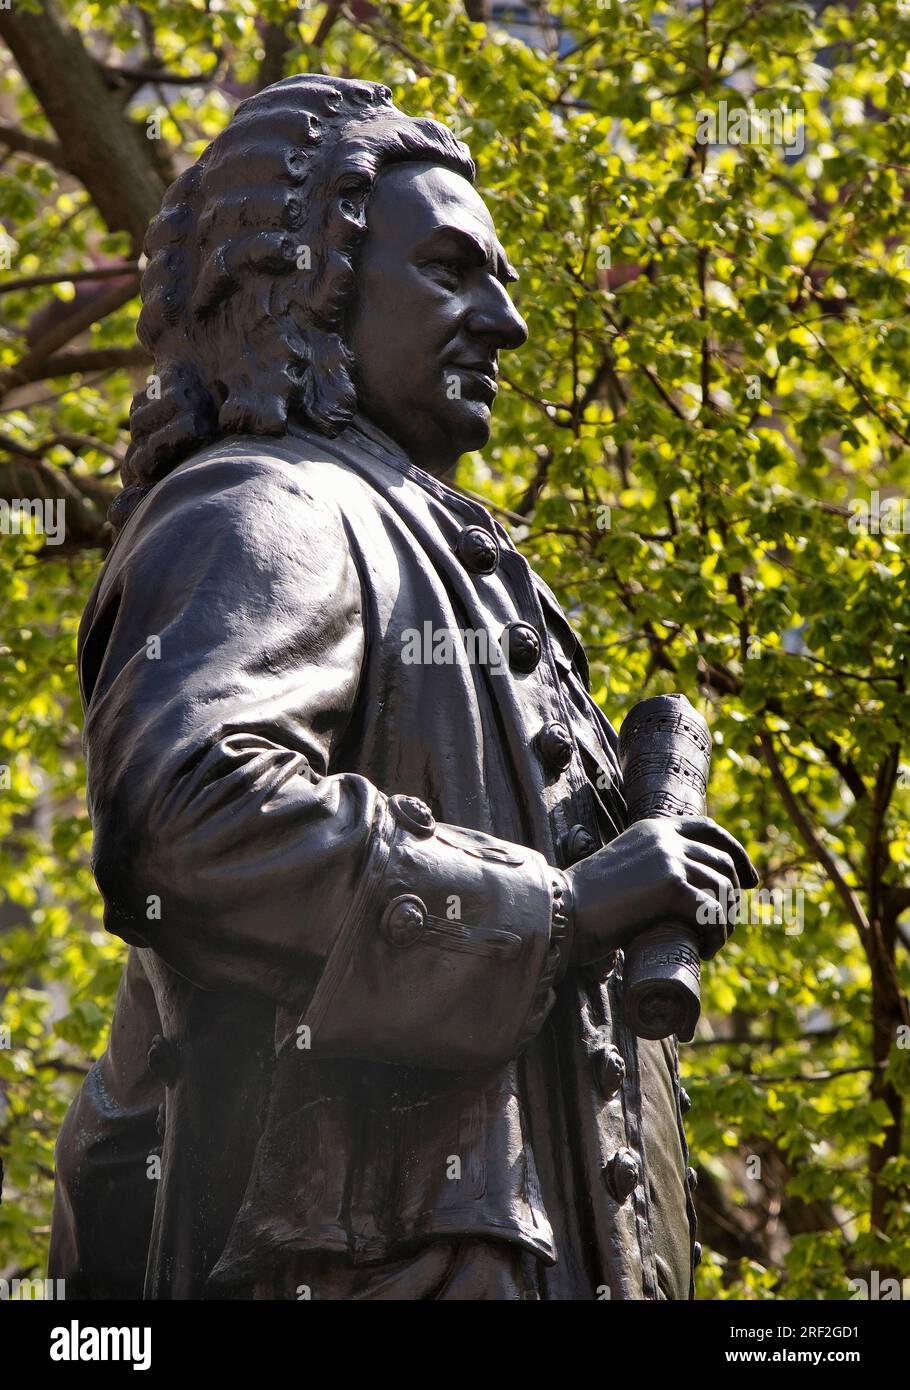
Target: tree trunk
(106,151)
(887,1016)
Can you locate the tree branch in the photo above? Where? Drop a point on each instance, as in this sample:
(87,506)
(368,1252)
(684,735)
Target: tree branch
(34,145)
(810,836)
(98,307)
(140,76)
(73,277)
(87,360)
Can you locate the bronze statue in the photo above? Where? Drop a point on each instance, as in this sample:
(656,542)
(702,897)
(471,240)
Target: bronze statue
(355,811)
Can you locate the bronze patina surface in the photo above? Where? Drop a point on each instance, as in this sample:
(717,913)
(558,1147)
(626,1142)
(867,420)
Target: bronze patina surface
(355,811)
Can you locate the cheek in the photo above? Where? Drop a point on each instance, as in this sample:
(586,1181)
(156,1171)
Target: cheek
(413,337)
(400,326)
(415,306)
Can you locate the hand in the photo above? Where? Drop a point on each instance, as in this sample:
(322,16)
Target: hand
(684,869)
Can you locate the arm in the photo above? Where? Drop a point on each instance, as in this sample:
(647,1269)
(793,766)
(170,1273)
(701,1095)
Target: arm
(220,661)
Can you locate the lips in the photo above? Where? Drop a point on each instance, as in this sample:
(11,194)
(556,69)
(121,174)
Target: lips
(485,373)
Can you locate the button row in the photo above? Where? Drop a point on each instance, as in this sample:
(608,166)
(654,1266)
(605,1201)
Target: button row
(478,550)
(622,1173)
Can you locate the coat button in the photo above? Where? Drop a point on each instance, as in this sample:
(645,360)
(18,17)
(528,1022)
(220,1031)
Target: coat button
(575,844)
(413,814)
(691,1179)
(622,1174)
(523,647)
(162,1059)
(477,550)
(685,1100)
(610,1069)
(554,743)
(696,1253)
(404,920)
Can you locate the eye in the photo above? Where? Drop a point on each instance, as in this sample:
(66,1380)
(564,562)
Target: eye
(446,272)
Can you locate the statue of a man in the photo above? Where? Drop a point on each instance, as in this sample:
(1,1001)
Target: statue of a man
(355,811)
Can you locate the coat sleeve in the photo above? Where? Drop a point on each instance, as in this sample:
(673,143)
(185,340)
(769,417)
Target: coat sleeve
(220,657)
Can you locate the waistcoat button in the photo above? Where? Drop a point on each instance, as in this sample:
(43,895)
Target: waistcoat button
(577,843)
(610,1069)
(161,1059)
(622,1174)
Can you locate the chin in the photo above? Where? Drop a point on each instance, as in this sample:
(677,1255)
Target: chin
(470,426)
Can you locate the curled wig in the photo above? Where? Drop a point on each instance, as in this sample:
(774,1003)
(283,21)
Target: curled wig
(250,270)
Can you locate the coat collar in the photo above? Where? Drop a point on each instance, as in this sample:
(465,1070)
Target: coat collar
(366,438)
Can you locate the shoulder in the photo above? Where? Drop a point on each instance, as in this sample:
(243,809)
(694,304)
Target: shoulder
(251,482)
(254,505)
(232,473)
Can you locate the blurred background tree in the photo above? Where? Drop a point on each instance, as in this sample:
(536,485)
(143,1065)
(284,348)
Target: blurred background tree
(714,389)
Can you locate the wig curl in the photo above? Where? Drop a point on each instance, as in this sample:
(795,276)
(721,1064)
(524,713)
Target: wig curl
(251,270)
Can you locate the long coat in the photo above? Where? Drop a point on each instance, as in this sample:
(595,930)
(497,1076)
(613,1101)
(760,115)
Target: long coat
(337,733)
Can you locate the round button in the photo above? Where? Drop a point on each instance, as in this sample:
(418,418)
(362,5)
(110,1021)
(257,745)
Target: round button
(477,550)
(555,744)
(523,647)
(623,1174)
(414,814)
(577,843)
(610,1069)
(404,920)
(685,1100)
(696,1253)
(162,1059)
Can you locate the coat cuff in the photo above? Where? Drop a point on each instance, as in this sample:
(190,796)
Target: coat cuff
(451,949)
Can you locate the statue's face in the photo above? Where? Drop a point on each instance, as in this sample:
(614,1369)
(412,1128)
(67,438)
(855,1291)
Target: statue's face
(431,314)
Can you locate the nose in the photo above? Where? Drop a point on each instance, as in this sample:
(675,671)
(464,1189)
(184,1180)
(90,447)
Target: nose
(494,317)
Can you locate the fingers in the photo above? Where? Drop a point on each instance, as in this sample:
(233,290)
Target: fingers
(712,935)
(710,833)
(713,908)
(716,859)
